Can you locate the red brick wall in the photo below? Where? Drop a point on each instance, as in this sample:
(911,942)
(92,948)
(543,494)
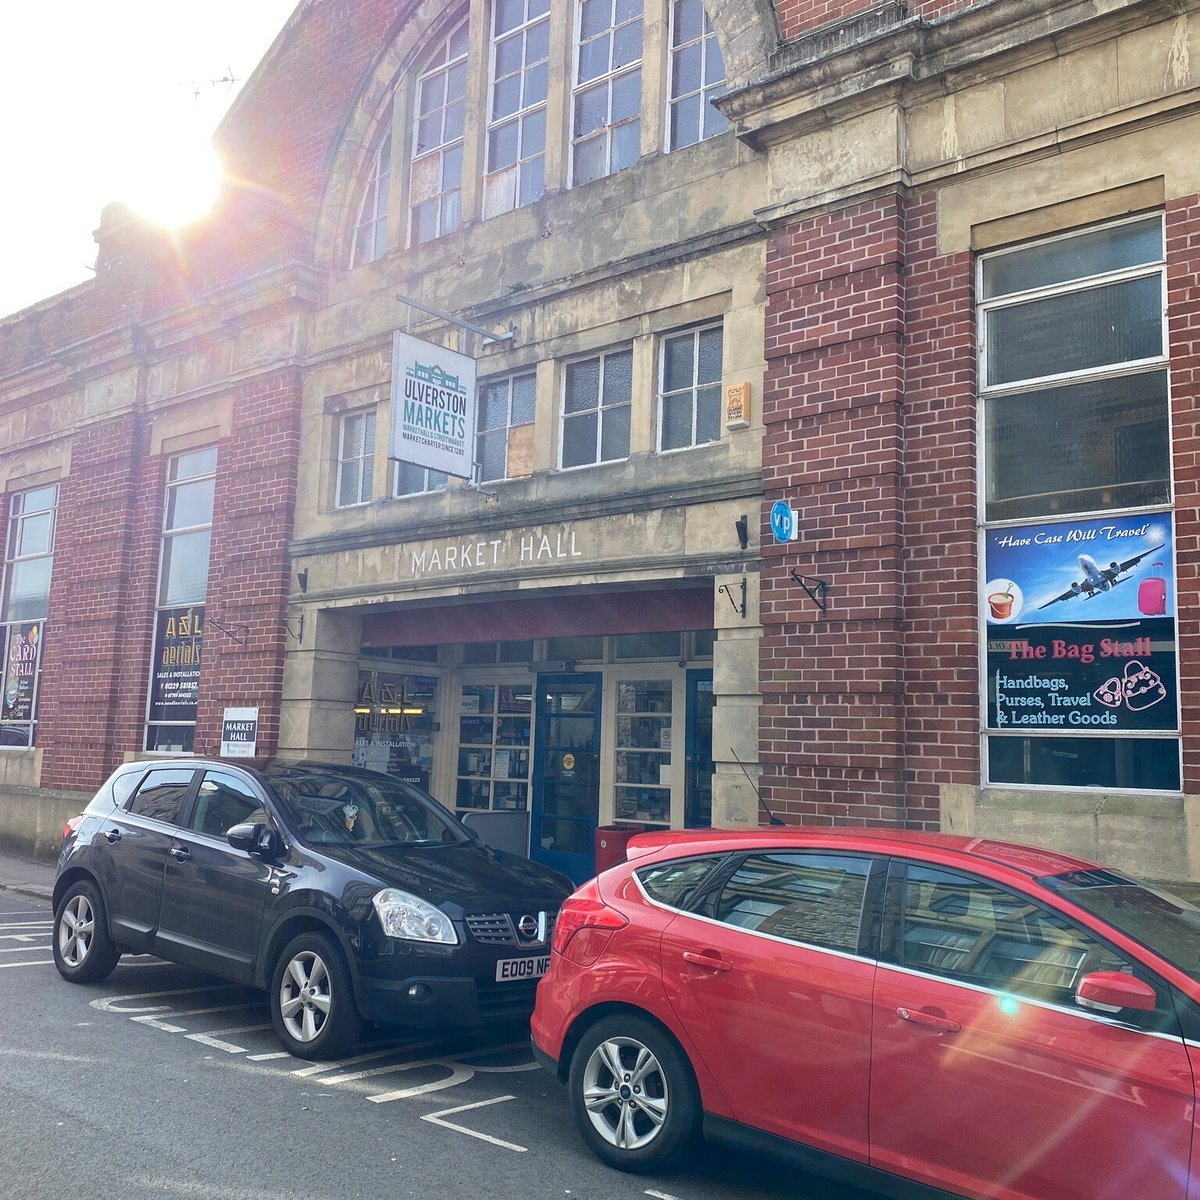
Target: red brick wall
(833,684)
(249,573)
(97,655)
(798,17)
(1183,317)
(869,413)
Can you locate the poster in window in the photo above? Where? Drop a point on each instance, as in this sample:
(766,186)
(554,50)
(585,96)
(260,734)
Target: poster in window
(178,642)
(21,657)
(1080,621)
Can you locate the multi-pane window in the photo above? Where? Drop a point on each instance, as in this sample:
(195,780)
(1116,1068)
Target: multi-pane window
(595,415)
(1073,370)
(411,480)
(356,459)
(516,136)
(370,230)
(606,102)
(493,746)
(1075,448)
(437,152)
(182,588)
(187,528)
(690,393)
(28,562)
(504,404)
(697,76)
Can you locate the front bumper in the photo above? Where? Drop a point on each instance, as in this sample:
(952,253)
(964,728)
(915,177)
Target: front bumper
(438,1001)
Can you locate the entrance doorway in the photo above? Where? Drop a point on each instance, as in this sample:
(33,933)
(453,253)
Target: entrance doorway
(566,777)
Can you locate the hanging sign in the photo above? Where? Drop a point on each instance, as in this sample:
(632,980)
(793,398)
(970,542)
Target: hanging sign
(433,406)
(1080,619)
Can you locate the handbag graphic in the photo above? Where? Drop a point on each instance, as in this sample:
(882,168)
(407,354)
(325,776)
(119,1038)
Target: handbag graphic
(1111,693)
(1142,686)
(1152,594)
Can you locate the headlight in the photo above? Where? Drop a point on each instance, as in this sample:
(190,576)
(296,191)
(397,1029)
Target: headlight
(403,915)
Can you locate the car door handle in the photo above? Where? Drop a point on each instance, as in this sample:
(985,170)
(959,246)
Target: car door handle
(180,853)
(707,960)
(917,1017)
(112,836)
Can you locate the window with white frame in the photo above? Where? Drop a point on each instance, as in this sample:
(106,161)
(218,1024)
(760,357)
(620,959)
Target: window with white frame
(370,230)
(606,102)
(356,459)
(1075,496)
(689,411)
(597,392)
(28,564)
(504,404)
(411,480)
(435,179)
(1073,373)
(697,77)
(182,588)
(516,136)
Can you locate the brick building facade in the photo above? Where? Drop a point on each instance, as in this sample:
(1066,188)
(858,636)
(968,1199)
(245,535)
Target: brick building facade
(927,238)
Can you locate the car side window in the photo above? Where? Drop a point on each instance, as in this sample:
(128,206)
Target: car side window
(673,884)
(162,794)
(976,931)
(812,898)
(222,802)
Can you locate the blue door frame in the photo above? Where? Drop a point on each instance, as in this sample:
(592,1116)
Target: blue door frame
(565,807)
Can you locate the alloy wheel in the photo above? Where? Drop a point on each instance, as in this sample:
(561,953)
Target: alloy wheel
(76,928)
(305,996)
(625,1093)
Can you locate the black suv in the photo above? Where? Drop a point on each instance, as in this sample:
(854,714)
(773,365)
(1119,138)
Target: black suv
(349,895)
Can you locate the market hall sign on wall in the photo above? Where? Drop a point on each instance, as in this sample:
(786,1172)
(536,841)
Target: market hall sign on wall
(433,406)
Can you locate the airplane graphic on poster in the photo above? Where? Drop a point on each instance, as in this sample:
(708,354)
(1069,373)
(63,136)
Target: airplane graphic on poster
(1100,579)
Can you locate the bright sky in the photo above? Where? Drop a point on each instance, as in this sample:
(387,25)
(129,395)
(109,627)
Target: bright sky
(108,100)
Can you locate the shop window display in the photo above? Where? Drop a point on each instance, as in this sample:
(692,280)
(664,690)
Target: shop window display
(643,748)
(494,727)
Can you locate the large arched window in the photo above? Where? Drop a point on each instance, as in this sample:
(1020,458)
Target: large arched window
(435,181)
(581,80)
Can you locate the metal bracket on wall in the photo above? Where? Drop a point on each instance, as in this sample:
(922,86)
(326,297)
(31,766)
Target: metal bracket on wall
(740,609)
(816,588)
(239,634)
(298,632)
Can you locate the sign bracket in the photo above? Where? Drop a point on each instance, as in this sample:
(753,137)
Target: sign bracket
(239,633)
(489,338)
(740,609)
(816,588)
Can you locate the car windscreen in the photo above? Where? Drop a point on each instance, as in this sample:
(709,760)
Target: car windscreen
(330,809)
(1162,922)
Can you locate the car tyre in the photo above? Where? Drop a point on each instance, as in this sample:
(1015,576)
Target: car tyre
(633,1093)
(312,999)
(84,952)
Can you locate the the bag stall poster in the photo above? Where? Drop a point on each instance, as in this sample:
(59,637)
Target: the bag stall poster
(1080,619)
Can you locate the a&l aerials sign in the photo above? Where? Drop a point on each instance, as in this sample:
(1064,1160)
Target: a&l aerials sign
(433,406)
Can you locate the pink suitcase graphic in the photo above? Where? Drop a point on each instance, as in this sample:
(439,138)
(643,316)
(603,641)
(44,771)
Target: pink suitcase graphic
(1152,595)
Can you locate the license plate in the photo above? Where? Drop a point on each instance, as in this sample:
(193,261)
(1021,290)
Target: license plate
(522,968)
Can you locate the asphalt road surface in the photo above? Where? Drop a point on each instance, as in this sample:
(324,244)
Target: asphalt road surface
(164,1082)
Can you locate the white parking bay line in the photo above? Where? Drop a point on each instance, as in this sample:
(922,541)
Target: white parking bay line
(437,1119)
(268,1057)
(206,1039)
(661,1195)
(43,962)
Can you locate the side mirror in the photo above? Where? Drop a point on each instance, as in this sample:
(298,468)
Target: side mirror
(1111,991)
(259,841)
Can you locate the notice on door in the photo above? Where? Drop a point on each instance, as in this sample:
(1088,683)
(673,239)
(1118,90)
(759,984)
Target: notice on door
(239,733)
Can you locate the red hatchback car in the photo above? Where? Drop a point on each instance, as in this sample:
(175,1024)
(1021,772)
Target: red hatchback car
(895,1009)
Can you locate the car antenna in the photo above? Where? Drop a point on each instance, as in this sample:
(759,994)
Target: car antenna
(772,819)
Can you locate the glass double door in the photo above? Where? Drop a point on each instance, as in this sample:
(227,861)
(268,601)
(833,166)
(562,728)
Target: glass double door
(566,777)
